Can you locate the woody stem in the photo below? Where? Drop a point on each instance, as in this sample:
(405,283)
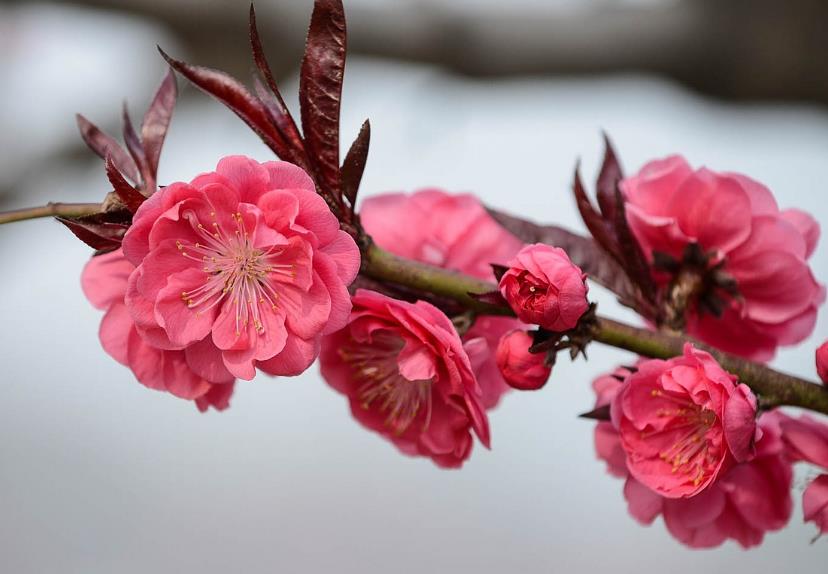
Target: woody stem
(773,387)
(50,210)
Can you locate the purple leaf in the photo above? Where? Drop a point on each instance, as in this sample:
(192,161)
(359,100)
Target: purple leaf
(598,414)
(498,271)
(592,219)
(279,112)
(235,96)
(131,197)
(104,145)
(101,236)
(354,164)
(634,260)
(136,149)
(320,91)
(608,179)
(157,121)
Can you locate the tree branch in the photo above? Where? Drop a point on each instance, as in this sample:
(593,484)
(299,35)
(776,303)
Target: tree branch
(774,388)
(69,210)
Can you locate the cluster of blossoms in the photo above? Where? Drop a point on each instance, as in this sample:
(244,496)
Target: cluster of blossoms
(246,268)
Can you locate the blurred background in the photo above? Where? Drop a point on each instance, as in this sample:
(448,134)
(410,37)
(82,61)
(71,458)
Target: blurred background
(99,474)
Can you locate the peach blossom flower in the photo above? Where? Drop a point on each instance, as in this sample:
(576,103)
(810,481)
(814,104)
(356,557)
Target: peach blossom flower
(520,368)
(405,372)
(248,257)
(736,221)
(749,499)
(683,422)
(452,231)
(545,288)
(822,362)
(183,373)
(807,441)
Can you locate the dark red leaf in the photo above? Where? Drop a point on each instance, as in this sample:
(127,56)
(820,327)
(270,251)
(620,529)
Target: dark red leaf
(104,145)
(597,414)
(592,219)
(235,96)
(294,151)
(354,164)
(608,179)
(498,271)
(320,89)
(100,236)
(634,261)
(131,197)
(279,112)
(157,121)
(136,149)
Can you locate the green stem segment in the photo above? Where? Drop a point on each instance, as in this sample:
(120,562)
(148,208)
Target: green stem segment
(50,210)
(774,388)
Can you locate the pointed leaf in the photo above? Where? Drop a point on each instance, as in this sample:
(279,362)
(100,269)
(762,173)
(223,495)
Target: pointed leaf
(235,96)
(104,145)
(498,271)
(354,164)
(157,121)
(135,148)
(608,179)
(131,197)
(635,262)
(601,413)
(100,236)
(592,219)
(491,298)
(280,114)
(294,150)
(320,90)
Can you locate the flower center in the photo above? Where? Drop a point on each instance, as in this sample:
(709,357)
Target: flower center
(690,453)
(235,270)
(379,382)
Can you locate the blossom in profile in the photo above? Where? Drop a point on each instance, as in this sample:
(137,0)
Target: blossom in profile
(189,374)
(248,258)
(807,441)
(406,375)
(746,501)
(683,422)
(452,231)
(756,290)
(822,362)
(543,287)
(521,369)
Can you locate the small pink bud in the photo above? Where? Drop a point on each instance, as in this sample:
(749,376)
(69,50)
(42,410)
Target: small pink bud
(543,287)
(521,369)
(822,362)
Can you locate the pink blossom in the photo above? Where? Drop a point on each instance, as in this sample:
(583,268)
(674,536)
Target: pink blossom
(405,372)
(183,373)
(763,249)
(683,422)
(822,362)
(520,368)
(807,441)
(545,288)
(749,499)
(248,258)
(452,231)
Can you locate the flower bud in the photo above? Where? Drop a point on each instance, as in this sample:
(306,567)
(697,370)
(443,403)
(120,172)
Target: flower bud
(543,287)
(521,369)
(822,362)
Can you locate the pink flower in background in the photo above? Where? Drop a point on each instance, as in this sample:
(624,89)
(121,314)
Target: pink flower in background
(545,288)
(520,368)
(822,362)
(749,499)
(765,250)
(807,441)
(247,258)
(184,373)
(683,422)
(452,231)
(407,377)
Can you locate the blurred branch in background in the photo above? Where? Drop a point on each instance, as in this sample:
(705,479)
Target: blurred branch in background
(738,49)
